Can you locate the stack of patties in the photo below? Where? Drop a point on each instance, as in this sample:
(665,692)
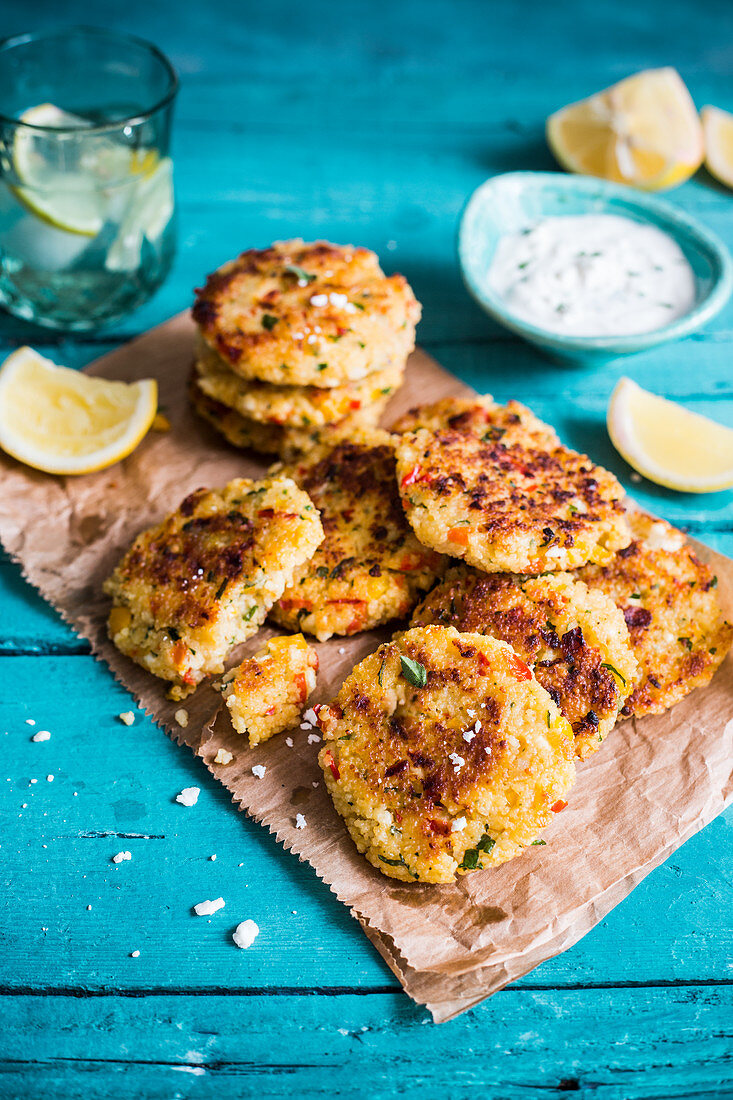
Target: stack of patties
(296,338)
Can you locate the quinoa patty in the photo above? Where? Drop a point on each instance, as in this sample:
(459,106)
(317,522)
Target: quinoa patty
(291,406)
(369,568)
(444,755)
(507,507)
(481,417)
(273,439)
(574,640)
(668,599)
(307,314)
(203,580)
(266,693)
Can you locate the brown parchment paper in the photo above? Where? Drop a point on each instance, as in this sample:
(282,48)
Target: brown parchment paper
(654,783)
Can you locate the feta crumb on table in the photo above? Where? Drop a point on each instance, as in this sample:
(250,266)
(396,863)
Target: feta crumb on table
(134,954)
(127,717)
(206,908)
(30,721)
(42,735)
(49,779)
(121,856)
(244,934)
(188,796)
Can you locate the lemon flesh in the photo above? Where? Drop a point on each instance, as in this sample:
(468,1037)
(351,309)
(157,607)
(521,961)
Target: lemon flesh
(643,131)
(64,422)
(667,443)
(718,128)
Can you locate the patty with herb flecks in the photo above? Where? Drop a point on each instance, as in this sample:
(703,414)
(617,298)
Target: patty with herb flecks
(506,507)
(669,601)
(203,580)
(307,314)
(266,693)
(575,640)
(273,439)
(291,406)
(369,568)
(481,417)
(444,755)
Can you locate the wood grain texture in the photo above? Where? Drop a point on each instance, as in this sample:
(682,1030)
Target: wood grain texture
(371,123)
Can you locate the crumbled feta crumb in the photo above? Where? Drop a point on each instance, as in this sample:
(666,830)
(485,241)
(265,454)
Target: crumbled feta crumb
(245,934)
(457,761)
(313,738)
(341,650)
(213,858)
(127,717)
(289,742)
(189,796)
(306,726)
(134,954)
(314,784)
(458,825)
(258,771)
(24,806)
(477,727)
(30,721)
(89,908)
(471,713)
(319,300)
(310,716)
(338,300)
(121,856)
(300,822)
(469,736)
(181,716)
(342,1031)
(206,908)
(49,779)
(42,735)
(34,780)
(312,339)
(223,757)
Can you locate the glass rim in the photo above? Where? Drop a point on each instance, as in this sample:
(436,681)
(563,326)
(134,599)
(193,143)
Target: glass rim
(104,127)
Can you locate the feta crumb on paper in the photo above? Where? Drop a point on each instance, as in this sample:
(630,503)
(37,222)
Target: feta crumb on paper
(313,738)
(223,756)
(258,771)
(121,856)
(181,716)
(310,716)
(300,822)
(42,735)
(245,934)
(127,717)
(189,796)
(289,742)
(206,908)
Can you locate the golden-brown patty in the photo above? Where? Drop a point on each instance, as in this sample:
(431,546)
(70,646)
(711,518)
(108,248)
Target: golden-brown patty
(203,580)
(266,693)
(575,640)
(669,601)
(444,755)
(273,439)
(481,417)
(291,406)
(370,568)
(507,507)
(307,314)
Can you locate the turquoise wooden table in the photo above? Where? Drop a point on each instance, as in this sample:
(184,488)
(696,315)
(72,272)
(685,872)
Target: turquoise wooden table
(368,123)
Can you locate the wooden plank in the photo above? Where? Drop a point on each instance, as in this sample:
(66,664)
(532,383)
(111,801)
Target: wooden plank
(126,780)
(620,1045)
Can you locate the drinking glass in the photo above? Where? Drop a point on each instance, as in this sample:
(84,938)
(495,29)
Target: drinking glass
(87,212)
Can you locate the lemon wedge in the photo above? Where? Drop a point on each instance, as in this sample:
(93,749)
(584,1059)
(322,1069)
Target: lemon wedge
(643,131)
(64,422)
(667,443)
(718,129)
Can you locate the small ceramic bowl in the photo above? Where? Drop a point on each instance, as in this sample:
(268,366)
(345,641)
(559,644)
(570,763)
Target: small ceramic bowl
(516,200)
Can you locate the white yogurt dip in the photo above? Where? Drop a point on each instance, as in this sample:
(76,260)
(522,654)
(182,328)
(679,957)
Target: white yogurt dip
(593,275)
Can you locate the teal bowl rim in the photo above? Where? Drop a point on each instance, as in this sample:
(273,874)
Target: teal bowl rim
(663,214)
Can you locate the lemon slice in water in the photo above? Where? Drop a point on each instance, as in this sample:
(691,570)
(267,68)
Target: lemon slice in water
(667,443)
(643,131)
(64,422)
